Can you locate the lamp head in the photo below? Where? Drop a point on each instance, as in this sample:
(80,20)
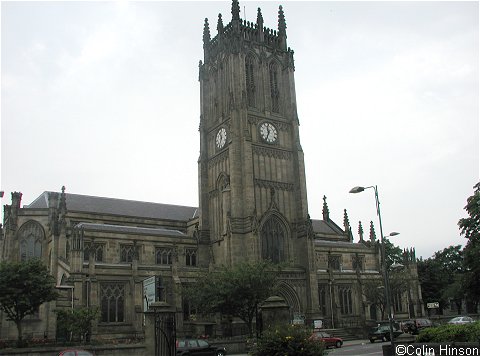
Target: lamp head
(394,233)
(357,190)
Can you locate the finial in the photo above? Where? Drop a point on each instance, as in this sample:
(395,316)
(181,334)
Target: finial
(282,26)
(206,32)
(235,10)
(220,24)
(325,211)
(372,232)
(346,224)
(63,200)
(360,231)
(259,18)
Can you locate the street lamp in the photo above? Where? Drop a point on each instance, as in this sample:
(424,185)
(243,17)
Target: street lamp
(383,256)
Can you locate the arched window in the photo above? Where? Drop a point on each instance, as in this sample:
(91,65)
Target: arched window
(274,93)
(112,302)
(273,236)
(30,238)
(250,81)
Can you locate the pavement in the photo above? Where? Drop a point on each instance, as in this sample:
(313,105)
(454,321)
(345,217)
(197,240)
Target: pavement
(345,343)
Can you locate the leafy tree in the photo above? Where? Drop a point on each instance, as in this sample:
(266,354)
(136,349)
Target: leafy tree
(374,290)
(234,291)
(393,253)
(24,287)
(441,276)
(76,322)
(470,229)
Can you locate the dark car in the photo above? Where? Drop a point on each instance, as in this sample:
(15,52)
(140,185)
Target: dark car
(75,352)
(382,333)
(414,326)
(187,347)
(328,339)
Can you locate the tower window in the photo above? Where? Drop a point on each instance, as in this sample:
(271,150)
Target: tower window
(273,240)
(274,94)
(250,82)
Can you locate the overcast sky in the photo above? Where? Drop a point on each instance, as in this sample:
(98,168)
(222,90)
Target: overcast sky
(103,97)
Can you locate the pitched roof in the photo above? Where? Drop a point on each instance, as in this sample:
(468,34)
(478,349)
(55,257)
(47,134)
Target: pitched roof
(326,227)
(92,204)
(130,229)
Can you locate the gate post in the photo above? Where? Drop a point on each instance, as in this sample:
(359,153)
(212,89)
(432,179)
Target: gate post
(160,330)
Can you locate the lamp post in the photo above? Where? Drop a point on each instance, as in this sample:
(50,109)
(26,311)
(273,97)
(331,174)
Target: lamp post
(383,257)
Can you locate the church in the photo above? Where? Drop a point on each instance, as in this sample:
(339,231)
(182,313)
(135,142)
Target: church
(252,206)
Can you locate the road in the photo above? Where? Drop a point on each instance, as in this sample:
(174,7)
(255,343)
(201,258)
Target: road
(368,348)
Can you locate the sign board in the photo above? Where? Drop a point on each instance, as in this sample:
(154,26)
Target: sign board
(433,305)
(149,291)
(318,324)
(298,319)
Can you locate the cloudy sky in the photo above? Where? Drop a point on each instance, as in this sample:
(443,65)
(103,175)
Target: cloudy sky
(103,97)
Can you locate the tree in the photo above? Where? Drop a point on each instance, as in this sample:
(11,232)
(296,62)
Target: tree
(470,229)
(76,322)
(234,291)
(393,253)
(441,276)
(24,287)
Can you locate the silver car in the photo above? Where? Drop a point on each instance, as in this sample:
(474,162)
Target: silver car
(461,320)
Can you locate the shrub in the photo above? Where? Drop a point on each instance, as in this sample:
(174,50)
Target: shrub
(451,333)
(288,340)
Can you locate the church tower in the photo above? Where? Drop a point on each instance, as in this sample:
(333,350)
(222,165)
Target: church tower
(252,190)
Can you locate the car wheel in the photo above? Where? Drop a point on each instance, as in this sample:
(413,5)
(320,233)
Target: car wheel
(372,341)
(338,344)
(220,353)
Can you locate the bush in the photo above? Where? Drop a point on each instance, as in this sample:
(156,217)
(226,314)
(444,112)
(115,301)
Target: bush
(451,333)
(288,340)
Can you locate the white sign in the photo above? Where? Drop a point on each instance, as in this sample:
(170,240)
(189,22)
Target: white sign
(298,319)
(433,305)
(318,324)
(149,291)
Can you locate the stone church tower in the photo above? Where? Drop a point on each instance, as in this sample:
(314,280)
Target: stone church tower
(253,199)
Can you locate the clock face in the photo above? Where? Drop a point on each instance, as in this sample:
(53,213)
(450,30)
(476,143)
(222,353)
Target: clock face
(221,137)
(268,132)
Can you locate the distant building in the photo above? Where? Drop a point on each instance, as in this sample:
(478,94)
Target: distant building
(252,206)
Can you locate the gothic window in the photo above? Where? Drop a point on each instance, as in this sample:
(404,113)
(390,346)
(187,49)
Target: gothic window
(163,256)
(191,256)
(345,296)
(31,236)
(274,93)
(96,249)
(397,302)
(322,298)
(112,302)
(273,240)
(358,262)
(250,82)
(334,263)
(127,252)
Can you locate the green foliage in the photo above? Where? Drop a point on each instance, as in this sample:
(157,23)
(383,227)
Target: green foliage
(470,228)
(234,291)
(288,340)
(76,323)
(393,253)
(451,333)
(25,286)
(441,276)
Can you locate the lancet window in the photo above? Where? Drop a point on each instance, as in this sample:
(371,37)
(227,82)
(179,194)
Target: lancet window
(112,297)
(274,93)
(31,236)
(250,80)
(273,240)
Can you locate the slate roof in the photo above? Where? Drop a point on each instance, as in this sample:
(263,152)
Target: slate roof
(326,227)
(92,204)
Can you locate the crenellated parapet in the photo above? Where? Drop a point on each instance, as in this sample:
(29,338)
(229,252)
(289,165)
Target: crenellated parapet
(239,32)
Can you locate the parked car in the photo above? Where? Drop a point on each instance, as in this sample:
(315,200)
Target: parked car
(187,347)
(382,333)
(75,352)
(328,339)
(461,320)
(414,326)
